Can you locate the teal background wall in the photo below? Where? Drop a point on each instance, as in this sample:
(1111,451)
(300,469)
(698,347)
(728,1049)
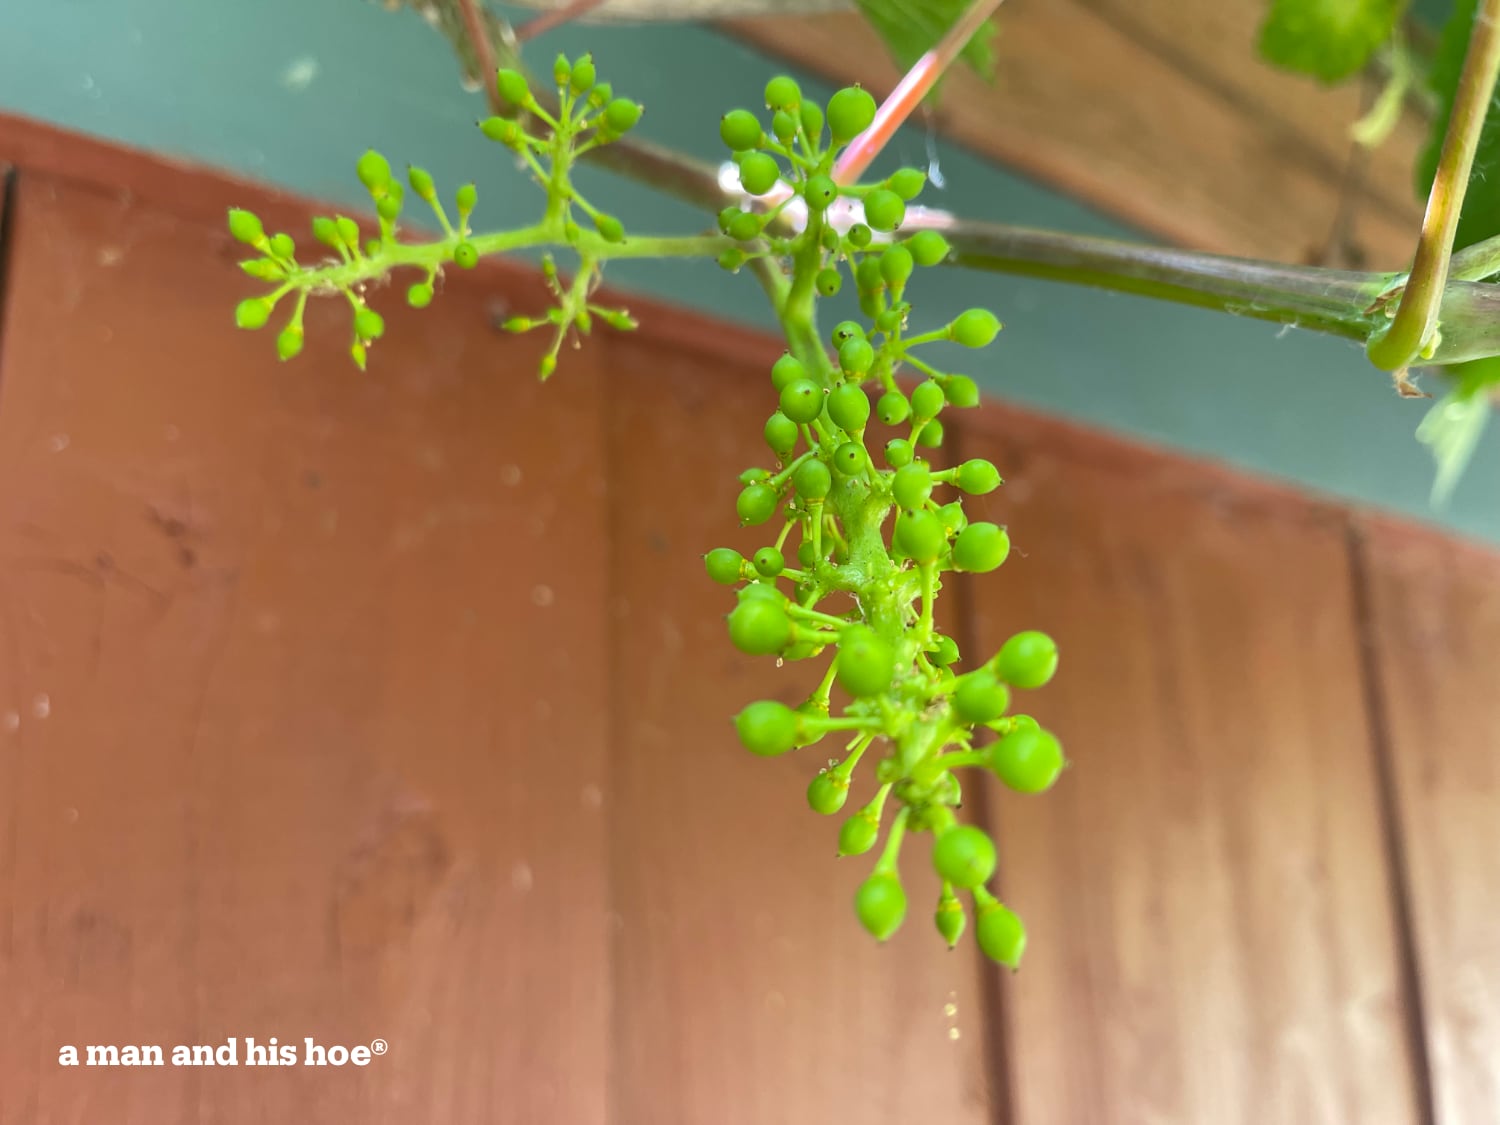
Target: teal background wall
(291,91)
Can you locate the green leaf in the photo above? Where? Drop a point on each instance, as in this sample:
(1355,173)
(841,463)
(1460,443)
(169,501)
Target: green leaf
(1328,39)
(911,28)
(1452,427)
(1481,213)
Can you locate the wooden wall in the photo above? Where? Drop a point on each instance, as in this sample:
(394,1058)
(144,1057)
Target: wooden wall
(396,706)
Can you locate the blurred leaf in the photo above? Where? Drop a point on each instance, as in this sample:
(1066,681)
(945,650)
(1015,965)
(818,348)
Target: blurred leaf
(1481,214)
(911,28)
(1452,427)
(1328,39)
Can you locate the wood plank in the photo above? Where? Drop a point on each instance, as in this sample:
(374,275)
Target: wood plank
(1212,932)
(1435,628)
(1112,122)
(295,671)
(746,991)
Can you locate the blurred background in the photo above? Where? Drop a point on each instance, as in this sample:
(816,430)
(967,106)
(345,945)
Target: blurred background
(395,705)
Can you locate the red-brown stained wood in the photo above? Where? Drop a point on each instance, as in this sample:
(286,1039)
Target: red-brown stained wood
(1212,936)
(745,990)
(1435,624)
(302,694)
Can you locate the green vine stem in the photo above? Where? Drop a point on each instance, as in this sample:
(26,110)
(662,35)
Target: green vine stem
(1418,316)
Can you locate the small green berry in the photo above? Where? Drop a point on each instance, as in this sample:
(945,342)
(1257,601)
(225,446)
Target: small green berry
(849,407)
(781,434)
(980,697)
(850,112)
(759,173)
(419,296)
(253,312)
(581,78)
(744,227)
(466,255)
(759,627)
(466,198)
(920,535)
(827,792)
(980,548)
(927,400)
(512,88)
(931,435)
(756,504)
(866,662)
(289,341)
(1028,760)
(768,562)
(977,477)
(421,183)
(610,228)
(964,855)
(884,210)
(783,92)
(893,408)
(283,246)
(898,453)
(725,565)
(812,121)
(1000,933)
(850,459)
(829,281)
(784,127)
(944,651)
(562,70)
(246,226)
(787,369)
(740,130)
(974,328)
(880,904)
(961,391)
(802,400)
(812,480)
(927,247)
(369,324)
(767,728)
(1028,660)
(820,192)
(896,265)
(907,182)
(374,171)
(621,115)
(912,485)
(856,356)
(950,916)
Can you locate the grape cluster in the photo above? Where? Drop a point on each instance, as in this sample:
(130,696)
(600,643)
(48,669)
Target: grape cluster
(545,143)
(862,539)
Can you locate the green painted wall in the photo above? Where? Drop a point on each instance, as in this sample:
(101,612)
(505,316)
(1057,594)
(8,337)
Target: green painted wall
(290,91)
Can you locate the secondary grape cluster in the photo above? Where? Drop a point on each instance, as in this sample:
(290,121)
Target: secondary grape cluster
(863,538)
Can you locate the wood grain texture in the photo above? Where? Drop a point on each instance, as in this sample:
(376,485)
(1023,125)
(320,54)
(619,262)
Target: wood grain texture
(1084,103)
(301,695)
(746,991)
(1212,933)
(1435,626)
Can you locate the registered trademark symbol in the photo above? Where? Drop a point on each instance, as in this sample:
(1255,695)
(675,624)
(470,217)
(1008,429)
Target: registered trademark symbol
(378,1047)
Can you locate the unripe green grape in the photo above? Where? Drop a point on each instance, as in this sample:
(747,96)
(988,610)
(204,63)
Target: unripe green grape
(263,269)
(977,477)
(1028,660)
(388,208)
(827,792)
(283,246)
(581,78)
(373,170)
(372,246)
(802,400)
(974,328)
(369,324)
(850,112)
(912,485)
(846,330)
(880,903)
(856,356)
(782,92)
(953,516)
(348,230)
(893,408)
(759,173)
(289,341)
(740,130)
(859,833)
(767,728)
(867,275)
(754,475)
(768,562)
(784,127)
(781,434)
(884,210)
(812,480)
(850,459)
(610,228)
(745,227)
(466,198)
(898,453)
(860,235)
(920,536)
(762,591)
(1028,760)
(1000,933)
(931,435)
(419,296)
(961,391)
(252,312)
(621,116)
(788,369)
(245,226)
(326,231)
(866,662)
(819,191)
(950,918)
(927,400)
(759,627)
(927,247)
(725,565)
(893,318)
(980,697)
(503,130)
(561,69)
(980,548)
(829,281)
(756,504)
(421,183)
(732,259)
(964,855)
(601,95)
(907,182)
(896,265)
(944,651)
(466,255)
(812,121)
(849,407)
(726,217)
(512,88)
